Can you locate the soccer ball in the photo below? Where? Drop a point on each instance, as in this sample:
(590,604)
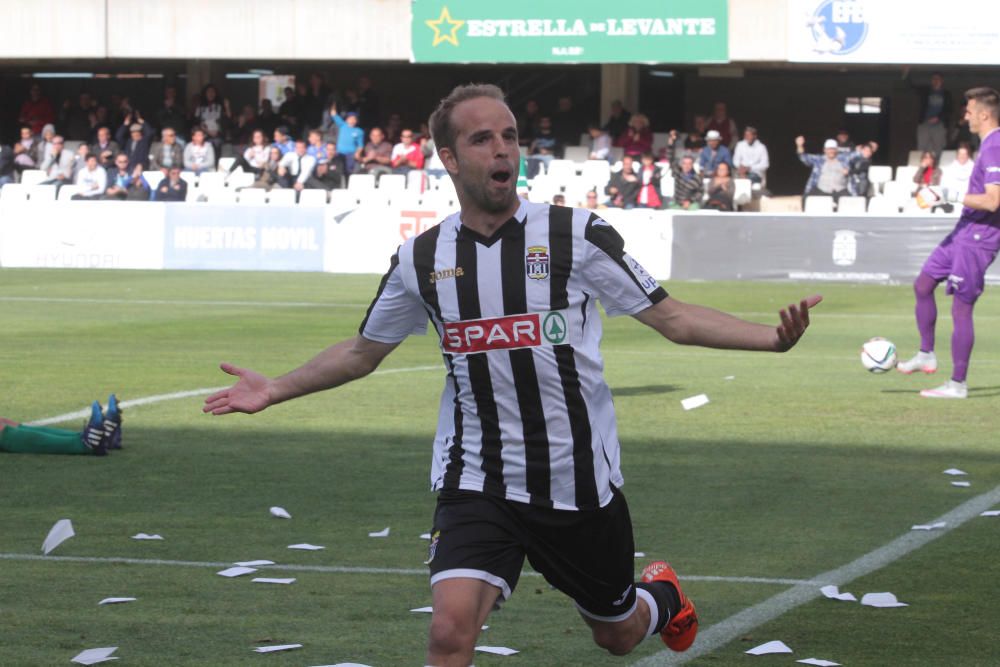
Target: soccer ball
(878,355)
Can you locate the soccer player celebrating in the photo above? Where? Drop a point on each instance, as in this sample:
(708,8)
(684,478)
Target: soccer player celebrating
(964,255)
(526,457)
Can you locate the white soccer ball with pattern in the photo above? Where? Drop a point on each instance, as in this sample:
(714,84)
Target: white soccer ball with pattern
(878,355)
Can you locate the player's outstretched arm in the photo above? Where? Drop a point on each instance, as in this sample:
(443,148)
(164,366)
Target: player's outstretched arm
(336,365)
(690,324)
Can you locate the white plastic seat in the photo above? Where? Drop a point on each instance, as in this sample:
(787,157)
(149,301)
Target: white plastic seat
(254,196)
(374,198)
(219,195)
(14,192)
(312,197)
(878,175)
(416,180)
(882,206)
(947,157)
(596,172)
(742,191)
(190,178)
(66,192)
(851,205)
(667,185)
(898,192)
(819,204)
(32,177)
(913,159)
(226,163)
(361,183)
(562,170)
(405,199)
(576,153)
(212,180)
(42,192)
(153,177)
(282,197)
(241,179)
(343,199)
(390,183)
(905,173)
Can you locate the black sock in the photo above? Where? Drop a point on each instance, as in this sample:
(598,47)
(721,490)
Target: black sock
(668,601)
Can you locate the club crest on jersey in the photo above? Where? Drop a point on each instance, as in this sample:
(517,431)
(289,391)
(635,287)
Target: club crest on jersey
(537,262)
(509,332)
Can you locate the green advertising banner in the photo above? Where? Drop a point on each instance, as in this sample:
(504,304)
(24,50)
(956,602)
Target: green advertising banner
(586,31)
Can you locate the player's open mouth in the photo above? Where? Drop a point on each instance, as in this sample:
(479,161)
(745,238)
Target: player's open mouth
(501,176)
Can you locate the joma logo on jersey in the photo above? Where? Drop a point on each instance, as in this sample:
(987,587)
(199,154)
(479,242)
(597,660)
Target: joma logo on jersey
(537,262)
(504,333)
(445,274)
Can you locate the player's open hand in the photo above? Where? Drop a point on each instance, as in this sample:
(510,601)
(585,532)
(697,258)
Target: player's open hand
(250,393)
(794,322)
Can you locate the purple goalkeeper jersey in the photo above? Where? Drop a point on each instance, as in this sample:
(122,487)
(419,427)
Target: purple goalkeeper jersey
(982,227)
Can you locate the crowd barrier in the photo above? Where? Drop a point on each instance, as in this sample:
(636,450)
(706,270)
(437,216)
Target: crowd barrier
(682,246)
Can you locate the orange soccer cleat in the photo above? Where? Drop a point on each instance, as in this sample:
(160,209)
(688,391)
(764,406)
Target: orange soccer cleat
(679,633)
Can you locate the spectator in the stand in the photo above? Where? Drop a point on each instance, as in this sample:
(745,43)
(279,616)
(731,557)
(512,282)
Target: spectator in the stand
(935,116)
(928,173)
(213,116)
(623,188)
(58,163)
(544,147)
(172,113)
(92,180)
(751,159)
(668,152)
(172,188)
(593,202)
(649,177)
(135,139)
(26,150)
(637,138)
(350,138)
(99,118)
(267,120)
(393,128)
(368,104)
(75,119)
(407,154)
(721,189)
(527,122)
(376,157)
(559,200)
(617,121)
(296,167)
(962,135)
(860,162)
(844,143)
(955,176)
(290,110)
(829,169)
(689,187)
(37,110)
(80,159)
(282,140)
(246,123)
(328,174)
(199,155)
(723,124)
(7,174)
(316,100)
(600,143)
(166,153)
(566,123)
(119,177)
(105,148)
(714,153)
(328,127)
(255,156)
(268,176)
(315,146)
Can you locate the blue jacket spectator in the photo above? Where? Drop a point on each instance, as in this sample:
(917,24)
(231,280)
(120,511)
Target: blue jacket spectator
(281,139)
(713,154)
(830,169)
(350,137)
(171,188)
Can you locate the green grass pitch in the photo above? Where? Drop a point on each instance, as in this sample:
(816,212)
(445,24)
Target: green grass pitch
(799,464)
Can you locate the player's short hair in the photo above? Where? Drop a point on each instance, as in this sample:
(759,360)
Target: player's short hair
(985,97)
(442,130)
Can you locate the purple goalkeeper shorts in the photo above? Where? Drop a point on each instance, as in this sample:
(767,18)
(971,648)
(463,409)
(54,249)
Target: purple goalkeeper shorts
(963,266)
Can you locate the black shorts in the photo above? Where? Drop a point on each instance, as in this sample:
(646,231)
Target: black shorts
(586,554)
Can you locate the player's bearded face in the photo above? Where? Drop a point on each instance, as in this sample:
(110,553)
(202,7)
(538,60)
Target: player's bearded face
(486,154)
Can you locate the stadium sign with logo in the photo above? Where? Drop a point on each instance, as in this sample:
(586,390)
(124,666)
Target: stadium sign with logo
(876,31)
(523,31)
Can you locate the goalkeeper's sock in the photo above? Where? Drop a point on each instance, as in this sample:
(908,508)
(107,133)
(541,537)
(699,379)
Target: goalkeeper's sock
(663,602)
(41,440)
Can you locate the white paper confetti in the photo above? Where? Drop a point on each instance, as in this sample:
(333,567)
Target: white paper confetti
(61,531)
(423,610)
(145,536)
(769,648)
(639,554)
(496,650)
(380,533)
(833,593)
(280,647)
(881,600)
(92,656)
(962,484)
(236,571)
(694,402)
(955,471)
(115,600)
(253,563)
(425,536)
(729,377)
(990,513)
(280,512)
(272,580)
(819,662)
(929,526)
(306,547)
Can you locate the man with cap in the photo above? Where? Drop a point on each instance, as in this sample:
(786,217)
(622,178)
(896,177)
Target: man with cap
(714,153)
(829,169)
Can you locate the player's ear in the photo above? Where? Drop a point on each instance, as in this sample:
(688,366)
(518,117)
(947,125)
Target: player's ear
(448,159)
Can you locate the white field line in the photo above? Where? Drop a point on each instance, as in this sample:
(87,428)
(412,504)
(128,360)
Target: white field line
(334,569)
(204,391)
(182,302)
(720,634)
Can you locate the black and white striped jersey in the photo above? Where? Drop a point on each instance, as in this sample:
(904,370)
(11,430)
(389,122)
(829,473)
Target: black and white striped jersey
(525,412)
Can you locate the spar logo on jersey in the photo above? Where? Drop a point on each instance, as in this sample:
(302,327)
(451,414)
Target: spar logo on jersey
(838,27)
(536,262)
(845,247)
(510,332)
